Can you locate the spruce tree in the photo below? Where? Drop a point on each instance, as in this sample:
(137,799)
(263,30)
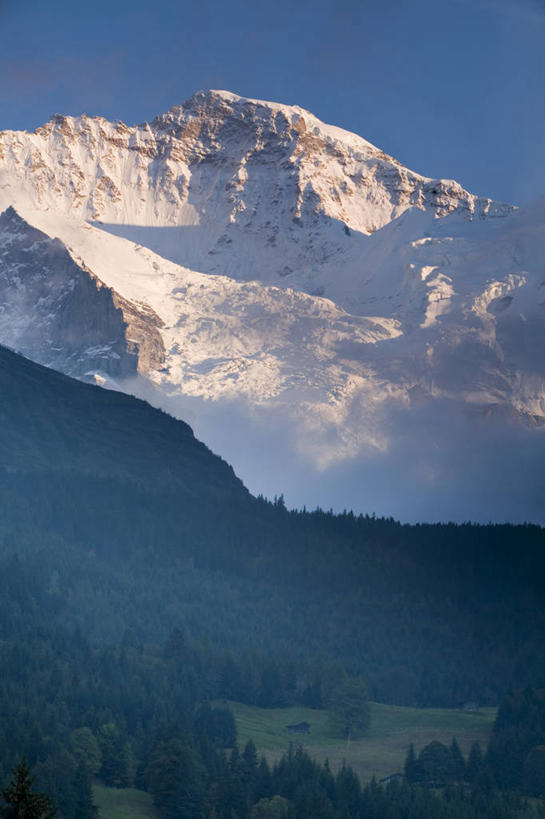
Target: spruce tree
(21,802)
(412,768)
(458,763)
(475,763)
(349,709)
(250,756)
(436,763)
(84,794)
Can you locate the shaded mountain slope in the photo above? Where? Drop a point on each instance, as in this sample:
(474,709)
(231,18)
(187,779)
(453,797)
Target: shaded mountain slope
(49,422)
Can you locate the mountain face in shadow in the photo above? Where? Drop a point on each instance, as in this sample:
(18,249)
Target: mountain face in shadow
(50,422)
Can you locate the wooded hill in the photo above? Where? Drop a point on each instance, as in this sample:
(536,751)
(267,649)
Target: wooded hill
(139,578)
(135,528)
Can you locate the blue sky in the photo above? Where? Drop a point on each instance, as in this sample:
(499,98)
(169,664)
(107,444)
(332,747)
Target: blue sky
(453,88)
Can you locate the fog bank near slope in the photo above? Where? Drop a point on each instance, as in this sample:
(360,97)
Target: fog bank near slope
(437,465)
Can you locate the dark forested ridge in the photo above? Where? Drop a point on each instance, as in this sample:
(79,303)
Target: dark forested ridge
(51,422)
(139,580)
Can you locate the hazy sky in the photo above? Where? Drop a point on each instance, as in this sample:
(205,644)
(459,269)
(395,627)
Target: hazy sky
(453,88)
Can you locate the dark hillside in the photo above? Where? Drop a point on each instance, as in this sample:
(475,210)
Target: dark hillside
(51,422)
(135,528)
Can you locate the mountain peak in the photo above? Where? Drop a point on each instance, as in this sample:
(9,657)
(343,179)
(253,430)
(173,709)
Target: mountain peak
(258,189)
(209,97)
(278,166)
(285,119)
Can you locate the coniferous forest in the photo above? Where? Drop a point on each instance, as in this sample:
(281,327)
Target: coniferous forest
(141,584)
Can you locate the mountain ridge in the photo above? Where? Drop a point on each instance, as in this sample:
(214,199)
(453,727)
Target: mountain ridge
(280,272)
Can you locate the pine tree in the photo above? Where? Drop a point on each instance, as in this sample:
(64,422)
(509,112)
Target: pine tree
(84,794)
(475,763)
(348,791)
(412,768)
(349,709)
(275,808)
(85,748)
(116,756)
(249,768)
(458,763)
(436,763)
(264,781)
(21,803)
(250,756)
(312,696)
(176,778)
(534,772)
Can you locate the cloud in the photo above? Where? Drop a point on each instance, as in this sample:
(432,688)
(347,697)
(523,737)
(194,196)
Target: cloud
(441,463)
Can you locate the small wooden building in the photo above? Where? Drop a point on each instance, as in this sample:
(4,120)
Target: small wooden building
(298,728)
(395,777)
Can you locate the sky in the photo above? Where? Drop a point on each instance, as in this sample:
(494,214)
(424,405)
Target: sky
(452,88)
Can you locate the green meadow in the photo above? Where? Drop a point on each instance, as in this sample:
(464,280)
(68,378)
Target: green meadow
(123,803)
(380,752)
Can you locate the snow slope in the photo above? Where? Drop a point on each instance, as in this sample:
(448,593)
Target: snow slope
(240,259)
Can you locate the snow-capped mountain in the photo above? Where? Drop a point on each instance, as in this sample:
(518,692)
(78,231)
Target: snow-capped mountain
(231,186)
(238,256)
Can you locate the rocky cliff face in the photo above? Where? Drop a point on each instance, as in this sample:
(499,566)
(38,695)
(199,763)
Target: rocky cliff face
(59,313)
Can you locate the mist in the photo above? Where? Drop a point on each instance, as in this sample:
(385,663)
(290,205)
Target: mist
(439,462)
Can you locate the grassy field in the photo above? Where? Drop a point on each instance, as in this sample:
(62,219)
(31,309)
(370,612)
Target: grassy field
(123,803)
(381,752)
